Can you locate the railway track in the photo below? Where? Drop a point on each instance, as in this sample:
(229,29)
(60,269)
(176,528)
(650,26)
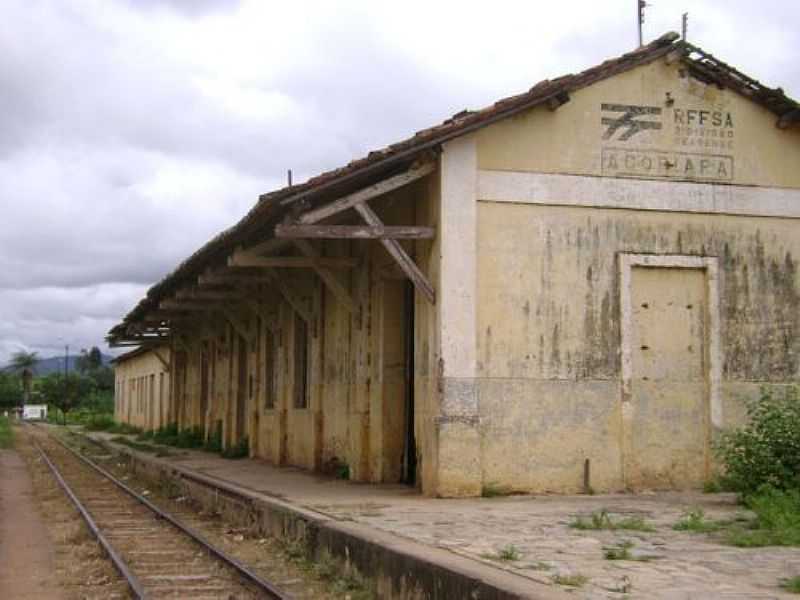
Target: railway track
(157,554)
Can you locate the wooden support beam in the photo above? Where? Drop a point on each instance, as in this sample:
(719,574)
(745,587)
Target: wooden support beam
(242,258)
(180,341)
(328,277)
(269,246)
(354,232)
(291,297)
(397,252)
(238,325)
(162,359)
(231,278)
(198,294)
(189,305)
(269,319)
(362,195)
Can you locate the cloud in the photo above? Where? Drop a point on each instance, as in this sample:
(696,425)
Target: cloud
(132,131)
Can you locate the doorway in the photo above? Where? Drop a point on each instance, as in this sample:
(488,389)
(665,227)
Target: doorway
(410,447)
(392,429)
(241,392)
(670,365)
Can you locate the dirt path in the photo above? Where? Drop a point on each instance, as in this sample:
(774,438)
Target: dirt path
(26,554)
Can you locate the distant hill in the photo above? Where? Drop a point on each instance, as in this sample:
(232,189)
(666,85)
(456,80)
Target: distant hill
(55,364)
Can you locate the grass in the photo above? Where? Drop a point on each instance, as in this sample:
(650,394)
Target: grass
(776,523)
(620,552)
(140,446)
(507,553)
(343,582)
(695,521)
(6,434)
(792,584)
(575,581)
(602,520)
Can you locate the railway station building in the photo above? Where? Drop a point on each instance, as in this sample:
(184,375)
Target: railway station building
(578,286)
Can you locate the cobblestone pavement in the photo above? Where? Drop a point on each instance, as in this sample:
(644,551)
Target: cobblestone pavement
(667,564)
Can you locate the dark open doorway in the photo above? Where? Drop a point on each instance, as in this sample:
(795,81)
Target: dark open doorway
(410,445)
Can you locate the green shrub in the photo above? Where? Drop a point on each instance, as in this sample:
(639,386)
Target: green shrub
(791,584)
(168,434)
(777,520)
(766,451)
(99,422)
(214,441)
(124,428)
(191,437)
(240,450)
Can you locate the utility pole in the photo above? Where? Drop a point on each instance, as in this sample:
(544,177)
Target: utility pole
(640,6)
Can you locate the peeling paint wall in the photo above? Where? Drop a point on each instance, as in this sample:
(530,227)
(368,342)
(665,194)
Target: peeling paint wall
(354,419)
(549,319)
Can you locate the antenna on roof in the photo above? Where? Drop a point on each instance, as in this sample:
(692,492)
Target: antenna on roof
(684,25)
(640,6)
(289,177)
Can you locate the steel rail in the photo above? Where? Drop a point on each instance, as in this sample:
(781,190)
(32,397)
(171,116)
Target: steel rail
(119,563)
(238,566)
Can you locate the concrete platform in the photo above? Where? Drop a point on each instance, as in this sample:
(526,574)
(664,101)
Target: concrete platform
(448,548)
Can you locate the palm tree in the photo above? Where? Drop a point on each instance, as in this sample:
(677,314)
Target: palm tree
(24,364)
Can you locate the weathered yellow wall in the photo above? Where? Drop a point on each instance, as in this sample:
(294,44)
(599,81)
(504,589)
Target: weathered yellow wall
(549,370)
(141,390)
(355,415)
(570,139)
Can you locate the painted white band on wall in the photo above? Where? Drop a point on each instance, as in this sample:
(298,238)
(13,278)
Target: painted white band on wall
(637,194)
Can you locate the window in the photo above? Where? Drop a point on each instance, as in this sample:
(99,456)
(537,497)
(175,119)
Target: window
(300,363)
(269,370)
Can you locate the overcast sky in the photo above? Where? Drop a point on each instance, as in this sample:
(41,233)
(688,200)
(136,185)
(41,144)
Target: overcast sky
(131,131)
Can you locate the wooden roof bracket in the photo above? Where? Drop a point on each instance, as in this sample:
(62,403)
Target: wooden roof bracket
(364,194)
(404,261)
(328,277)
(290,296)
(238,325)
(267,318)
(161,359)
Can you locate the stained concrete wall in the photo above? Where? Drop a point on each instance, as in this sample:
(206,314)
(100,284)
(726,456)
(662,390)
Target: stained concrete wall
(559,202)
(142,390)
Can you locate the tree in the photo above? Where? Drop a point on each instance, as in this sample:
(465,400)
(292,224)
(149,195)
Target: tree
(9,391)
(24,364)
(66,393)
(91,363)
